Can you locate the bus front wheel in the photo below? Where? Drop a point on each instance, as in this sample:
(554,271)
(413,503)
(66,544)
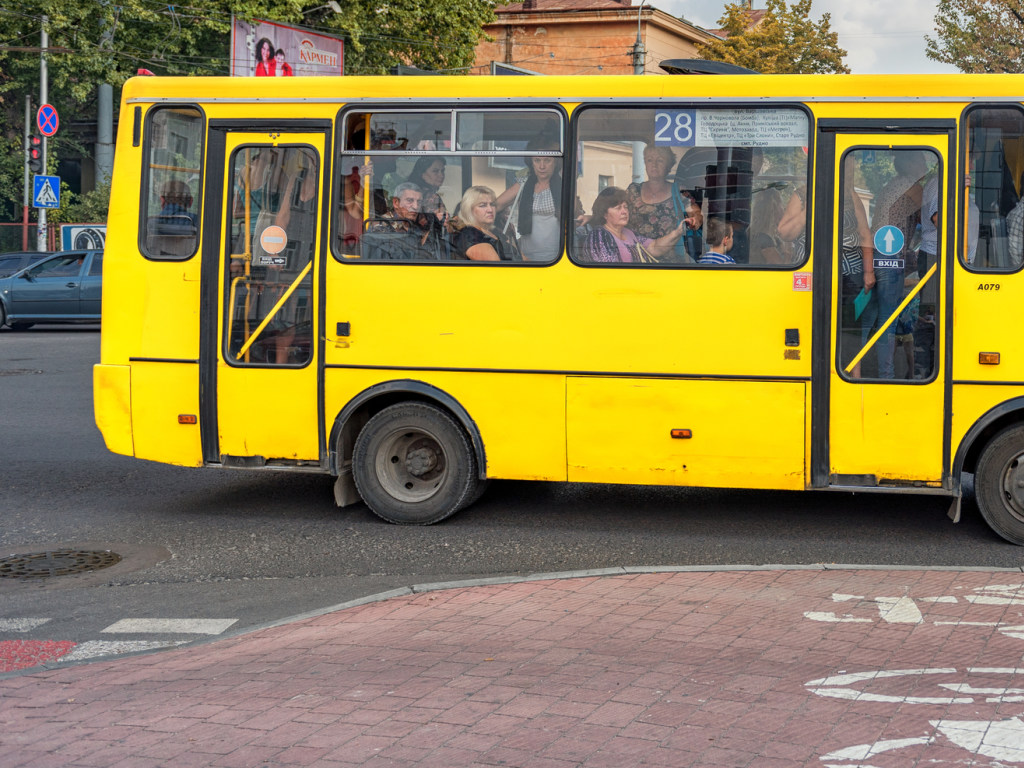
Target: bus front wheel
(999,484)
(414,465)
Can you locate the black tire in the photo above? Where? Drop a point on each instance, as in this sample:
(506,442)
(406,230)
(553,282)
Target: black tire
(3,316)
(414,465)
(999,484)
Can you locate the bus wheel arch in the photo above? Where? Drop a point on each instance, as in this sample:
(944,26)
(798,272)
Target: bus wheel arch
(365,408)
(993,450)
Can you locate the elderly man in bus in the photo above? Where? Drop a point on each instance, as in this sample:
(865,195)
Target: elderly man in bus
(406,233)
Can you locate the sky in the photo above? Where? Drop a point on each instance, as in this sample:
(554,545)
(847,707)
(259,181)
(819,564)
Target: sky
(880,36)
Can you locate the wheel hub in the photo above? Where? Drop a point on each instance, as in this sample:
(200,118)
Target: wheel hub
(1013,483)
(420,460)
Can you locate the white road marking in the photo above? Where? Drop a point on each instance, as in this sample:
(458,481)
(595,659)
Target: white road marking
(864,751)
(898,610)
(21,625)
(1000,740)
(828,616)
(92,649)
(171,626)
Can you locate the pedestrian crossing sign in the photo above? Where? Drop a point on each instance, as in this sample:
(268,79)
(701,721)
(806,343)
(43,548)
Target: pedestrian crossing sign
(46,192)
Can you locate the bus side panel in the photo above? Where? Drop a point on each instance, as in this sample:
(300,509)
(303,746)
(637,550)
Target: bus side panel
(112,405)
(745,434)
(970,403)
(521,417)
(169,390)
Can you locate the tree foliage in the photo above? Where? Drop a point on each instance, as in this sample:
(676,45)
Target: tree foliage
(979,35)
(785,41)
(103,41)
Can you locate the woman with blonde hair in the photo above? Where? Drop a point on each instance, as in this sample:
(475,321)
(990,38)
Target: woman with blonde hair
(473,234)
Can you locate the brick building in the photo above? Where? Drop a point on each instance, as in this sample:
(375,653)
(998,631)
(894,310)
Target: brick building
(585,37)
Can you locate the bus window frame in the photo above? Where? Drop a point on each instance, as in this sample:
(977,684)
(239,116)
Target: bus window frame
(556,109)
(197,194)
(312,267)
(573,151)
(941,169)
(963,193)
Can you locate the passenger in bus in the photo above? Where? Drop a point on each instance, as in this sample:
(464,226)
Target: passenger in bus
(765,215)
(857,271)
(688,197)
(719,235)
(474,236)
(652,211)
(428,175)
(898,205)
(532,204)
(176,217)
(611,240)
(405,233)
(793,224)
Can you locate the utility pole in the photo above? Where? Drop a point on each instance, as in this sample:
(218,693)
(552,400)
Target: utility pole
(44,41)
(639,57)
(26,198)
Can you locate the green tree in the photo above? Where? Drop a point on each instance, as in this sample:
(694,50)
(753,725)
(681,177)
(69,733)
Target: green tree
(785,41)
(106,41)
(979,35)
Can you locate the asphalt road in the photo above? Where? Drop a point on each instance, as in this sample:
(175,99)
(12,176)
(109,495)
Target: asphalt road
(259,547)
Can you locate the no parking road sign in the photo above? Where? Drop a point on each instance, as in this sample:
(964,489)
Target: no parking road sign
(47,120)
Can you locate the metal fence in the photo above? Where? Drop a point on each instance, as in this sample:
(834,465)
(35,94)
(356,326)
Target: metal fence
(12,237)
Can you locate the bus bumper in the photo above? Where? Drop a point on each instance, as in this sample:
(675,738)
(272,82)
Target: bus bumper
(112,405)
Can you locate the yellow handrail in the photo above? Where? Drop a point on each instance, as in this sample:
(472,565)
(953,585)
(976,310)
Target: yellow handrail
(274,310)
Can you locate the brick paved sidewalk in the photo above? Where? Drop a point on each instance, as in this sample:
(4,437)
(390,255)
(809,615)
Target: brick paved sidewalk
(758,668)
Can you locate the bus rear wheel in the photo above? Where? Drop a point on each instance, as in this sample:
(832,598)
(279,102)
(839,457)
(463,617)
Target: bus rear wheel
(414,465)
(999,484)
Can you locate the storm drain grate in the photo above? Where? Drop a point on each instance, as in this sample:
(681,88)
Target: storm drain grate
(56,562)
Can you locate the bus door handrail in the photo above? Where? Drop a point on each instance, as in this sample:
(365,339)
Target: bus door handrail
(892,318)
(274,310)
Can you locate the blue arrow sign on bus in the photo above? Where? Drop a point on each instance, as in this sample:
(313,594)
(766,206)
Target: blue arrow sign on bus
(47,120)
(889,240)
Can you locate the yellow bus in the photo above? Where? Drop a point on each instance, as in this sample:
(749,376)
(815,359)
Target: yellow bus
(414,285)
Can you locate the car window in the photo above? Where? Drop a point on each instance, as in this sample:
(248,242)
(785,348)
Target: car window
(11,264)
(68,265)
(96,268)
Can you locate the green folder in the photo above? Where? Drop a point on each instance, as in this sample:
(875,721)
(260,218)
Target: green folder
(861,302)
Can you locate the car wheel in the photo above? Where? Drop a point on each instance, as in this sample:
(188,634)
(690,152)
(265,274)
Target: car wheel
(999,484)
(414,465)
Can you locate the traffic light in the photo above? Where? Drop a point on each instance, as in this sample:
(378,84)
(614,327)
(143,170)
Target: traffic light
(35,154)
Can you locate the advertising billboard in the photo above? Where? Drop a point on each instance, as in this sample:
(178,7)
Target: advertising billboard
(270,49)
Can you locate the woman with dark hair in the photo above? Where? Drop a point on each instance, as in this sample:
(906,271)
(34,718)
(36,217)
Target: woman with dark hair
(610,240)
(534,202)
(473,233)
(428,175)
(265,62)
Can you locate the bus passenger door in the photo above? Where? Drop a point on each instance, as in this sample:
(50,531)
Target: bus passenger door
(260,272)
(886,368)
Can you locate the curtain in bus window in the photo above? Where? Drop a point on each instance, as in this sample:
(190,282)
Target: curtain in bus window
(272,244)
(692,186)
(888,264)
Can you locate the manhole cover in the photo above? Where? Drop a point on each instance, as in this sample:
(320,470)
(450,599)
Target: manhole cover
(56,562)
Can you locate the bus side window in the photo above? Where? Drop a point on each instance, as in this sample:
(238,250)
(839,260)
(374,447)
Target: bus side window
(652,179)
(172,183)
(994,239)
